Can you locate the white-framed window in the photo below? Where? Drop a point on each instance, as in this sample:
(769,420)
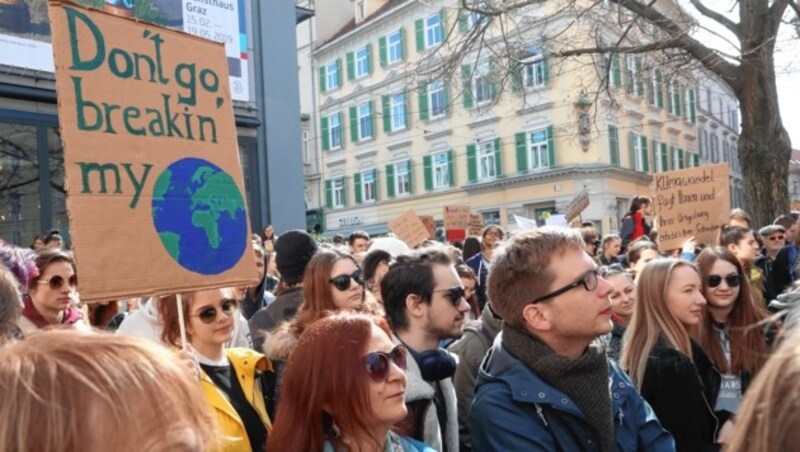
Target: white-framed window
(335,131)
(631,74)
(433,30)
(362,62)
(398,111)
(337,188)
(674,94)
(441,170)
(482,83)
(659,163)
(365,131)
(395,47)
(714,148)
(639,148)
(652,94)
(676,158)
(613,145)
(331,76)
(402,179)
(436,99)
(703,144)
(368,188)
(538,152)
(476,18)
(306,154)
(487,168)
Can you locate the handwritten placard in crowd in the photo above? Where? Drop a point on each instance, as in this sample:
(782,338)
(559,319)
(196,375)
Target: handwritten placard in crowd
(430,225)
(456,217)
(409,228)
(475,224)
(578,204)
(692,202)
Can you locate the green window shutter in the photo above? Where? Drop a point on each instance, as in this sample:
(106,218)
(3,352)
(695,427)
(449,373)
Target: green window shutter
(329,194)
(498,157)
(472,164)
(372,119)
(338,72)
(428,170)
(516,77)
(521,145)
(692,110)
(664,157)
(645,156)
(369,59)
(351,66)
(551,147)
(545,67)
(631,151)
(492,84)
(451,168)
(613,144)
(466,80)
(423,103)
(410,166)
(322,79)
(354,124)
(672,158)
(419,28)
(383,55)
(326,144)
(357,186)
(402,43)
(446,96)
(341,129)
(616,71)
(390,180)
(443,23)
(387,113)
(375,191)
(344,197)
(406,109)
(681,162)
(639,82)
(696,160)
(463,26)
(677,98)
(660,90)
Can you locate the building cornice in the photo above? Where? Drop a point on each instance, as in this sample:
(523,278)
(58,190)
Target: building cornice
(558,173)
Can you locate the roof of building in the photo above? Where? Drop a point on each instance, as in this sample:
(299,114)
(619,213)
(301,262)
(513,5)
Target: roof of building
(794,160)
(352,25)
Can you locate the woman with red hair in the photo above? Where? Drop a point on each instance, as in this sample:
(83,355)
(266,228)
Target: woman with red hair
(343,389)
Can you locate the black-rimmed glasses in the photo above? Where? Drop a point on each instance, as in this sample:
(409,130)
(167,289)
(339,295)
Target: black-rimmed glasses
(342,282)
(588,281)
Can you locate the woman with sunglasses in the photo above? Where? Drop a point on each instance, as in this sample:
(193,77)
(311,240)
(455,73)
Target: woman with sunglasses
(232,379)
(668,368)
(52,295)
(730,333)
(343,389)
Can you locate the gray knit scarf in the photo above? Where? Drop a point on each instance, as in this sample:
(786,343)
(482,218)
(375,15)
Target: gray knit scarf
(584,380)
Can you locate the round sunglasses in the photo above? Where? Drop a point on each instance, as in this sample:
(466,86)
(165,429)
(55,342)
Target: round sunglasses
(209,313)
(732,280)
(378,364)
(57,282)
(342,282)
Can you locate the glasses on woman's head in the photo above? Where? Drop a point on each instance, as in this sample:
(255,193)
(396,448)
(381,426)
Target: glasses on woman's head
(209,313)
(342,282)
(732,280)
(454,294)
(378,364)
(588,281)
(57,282)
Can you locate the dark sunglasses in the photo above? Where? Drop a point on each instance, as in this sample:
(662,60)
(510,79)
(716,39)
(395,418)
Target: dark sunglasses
(342,282)
(57,282)
(378,363)
(209,313)
(732,280)
(776,238)
(454,294)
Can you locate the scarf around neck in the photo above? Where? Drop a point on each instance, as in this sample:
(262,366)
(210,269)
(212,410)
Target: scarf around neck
(69,316)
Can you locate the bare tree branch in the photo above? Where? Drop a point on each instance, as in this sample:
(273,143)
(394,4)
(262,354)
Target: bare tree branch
(719,18)
(794,6)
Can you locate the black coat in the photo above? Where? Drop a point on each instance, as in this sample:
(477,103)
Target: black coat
(682,392)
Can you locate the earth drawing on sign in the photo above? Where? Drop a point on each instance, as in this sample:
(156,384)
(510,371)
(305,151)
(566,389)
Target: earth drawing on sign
(198,212)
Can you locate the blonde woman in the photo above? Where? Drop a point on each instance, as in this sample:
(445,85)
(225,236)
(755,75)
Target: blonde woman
(669,369)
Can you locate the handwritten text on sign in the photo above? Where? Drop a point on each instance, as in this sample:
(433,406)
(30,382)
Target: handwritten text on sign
(691,202)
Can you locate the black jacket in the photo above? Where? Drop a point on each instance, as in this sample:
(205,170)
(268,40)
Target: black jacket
(283,309)
(682,392)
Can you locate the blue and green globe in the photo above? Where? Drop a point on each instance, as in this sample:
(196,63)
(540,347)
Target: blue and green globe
(198,212)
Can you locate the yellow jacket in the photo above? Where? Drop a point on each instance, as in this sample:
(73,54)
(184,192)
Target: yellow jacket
(231,431)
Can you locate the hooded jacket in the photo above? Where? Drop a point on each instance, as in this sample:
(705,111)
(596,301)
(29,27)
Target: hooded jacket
(282,310)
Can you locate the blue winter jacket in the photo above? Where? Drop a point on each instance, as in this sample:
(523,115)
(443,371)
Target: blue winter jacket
(516,410)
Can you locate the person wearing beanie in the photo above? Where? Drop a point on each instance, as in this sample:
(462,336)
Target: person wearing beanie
(774,238)
(293,250)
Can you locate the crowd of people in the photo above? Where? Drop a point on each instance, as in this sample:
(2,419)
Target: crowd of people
(549,339)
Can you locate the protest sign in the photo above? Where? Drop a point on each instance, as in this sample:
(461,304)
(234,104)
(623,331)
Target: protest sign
(427,220)
(155,189)
(577,205)
(456,217)
(409,228)
(692,202)
(524,223)
(475,224)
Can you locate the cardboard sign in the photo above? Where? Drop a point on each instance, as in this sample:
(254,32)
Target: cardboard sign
(427,220)
(456,217)
(155,190)
(409,228)
(475,224)
(577,205)
(691,202)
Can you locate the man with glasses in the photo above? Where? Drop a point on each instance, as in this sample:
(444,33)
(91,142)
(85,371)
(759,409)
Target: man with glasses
(545,384)
(424,303)
(774,238)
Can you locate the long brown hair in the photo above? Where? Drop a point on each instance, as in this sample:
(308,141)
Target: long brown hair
(325,383)
(748,344)
(317,289)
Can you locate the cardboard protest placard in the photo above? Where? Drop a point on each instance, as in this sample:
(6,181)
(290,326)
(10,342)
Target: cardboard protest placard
(409,228)
(475,224)
(155,189)
(456,217)
(691,202)
(427,220)
(577,205)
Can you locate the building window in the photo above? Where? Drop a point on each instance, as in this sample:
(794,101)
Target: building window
(475,18)
(306,155)
(714,148)
(398,111)
(483,88)
(441,170)
(487,168)
(538,153)
(655,87)
(362,62)
(402,178)
(338,193)
(433,31)
(331,76)
(365,121)
(436,99)
(613,145)
(708,99)
(534,73)
(335,131)
(639,143)
(368,186)
(395,53)
(659,161)
(630,74)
